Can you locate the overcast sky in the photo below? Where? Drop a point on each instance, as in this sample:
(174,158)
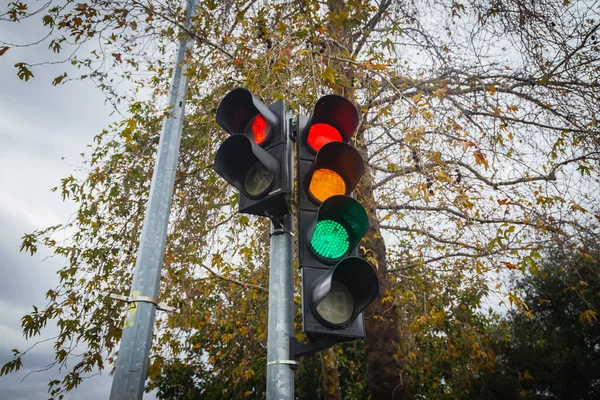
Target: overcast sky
(39,125)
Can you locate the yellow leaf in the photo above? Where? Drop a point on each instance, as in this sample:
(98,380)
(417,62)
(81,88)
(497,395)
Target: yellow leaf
(417,97)
(577,207)
(435,156)
(441,92)
(329,75)
(588,316)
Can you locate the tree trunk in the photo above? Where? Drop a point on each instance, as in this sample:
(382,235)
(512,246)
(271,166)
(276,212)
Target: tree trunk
(386,374)
(384,362)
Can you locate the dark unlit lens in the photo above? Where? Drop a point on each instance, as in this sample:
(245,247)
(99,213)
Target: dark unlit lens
(257,180)
(337,306)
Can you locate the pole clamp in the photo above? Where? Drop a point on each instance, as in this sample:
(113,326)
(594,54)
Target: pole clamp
(281,232)
(144,299)
(292,363)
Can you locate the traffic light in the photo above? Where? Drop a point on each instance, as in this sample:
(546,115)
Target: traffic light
(254,158)
(336,284)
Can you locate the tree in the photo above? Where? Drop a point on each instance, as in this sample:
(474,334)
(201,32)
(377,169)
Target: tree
(552,349)
(479,124)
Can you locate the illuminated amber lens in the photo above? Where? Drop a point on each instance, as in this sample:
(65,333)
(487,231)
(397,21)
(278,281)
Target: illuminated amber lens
(326,183)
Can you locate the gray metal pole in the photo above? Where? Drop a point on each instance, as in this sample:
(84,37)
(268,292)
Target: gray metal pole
(280,376)
(132,361)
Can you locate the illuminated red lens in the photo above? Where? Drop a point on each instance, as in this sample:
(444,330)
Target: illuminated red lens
(258,129)
(320,134)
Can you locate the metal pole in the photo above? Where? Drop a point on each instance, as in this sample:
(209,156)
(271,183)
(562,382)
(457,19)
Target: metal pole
(280,329)
(136,340)
(280,376)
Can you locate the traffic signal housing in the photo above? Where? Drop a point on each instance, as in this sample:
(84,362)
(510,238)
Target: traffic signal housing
(336,284)
(254,158)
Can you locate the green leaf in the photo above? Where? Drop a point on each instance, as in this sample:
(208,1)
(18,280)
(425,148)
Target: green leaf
(23,72)
(12,365)
(48,21)
(59,79)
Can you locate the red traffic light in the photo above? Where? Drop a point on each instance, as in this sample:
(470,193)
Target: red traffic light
(320,134)
(241,112)
(334,119)
(258,129)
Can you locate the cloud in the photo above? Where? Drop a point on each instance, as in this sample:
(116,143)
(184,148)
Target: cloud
(39,125)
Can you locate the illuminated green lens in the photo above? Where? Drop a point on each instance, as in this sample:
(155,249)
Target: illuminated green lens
(330,240)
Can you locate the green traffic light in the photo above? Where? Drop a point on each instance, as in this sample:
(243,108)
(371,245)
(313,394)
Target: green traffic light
(330,240)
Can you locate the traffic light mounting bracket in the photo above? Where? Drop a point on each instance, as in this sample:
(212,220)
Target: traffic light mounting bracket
(298,350)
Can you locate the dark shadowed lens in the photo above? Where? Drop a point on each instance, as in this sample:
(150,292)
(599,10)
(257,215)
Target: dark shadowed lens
(337,306)
(257,180)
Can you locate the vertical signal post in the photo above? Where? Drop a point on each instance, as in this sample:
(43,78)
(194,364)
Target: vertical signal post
(257,160)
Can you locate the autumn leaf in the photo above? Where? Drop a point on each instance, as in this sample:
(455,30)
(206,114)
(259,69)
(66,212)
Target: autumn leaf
(23,72)
(509,265)
(481,159)
(441,92)
(417,97)
(117,57)
(285,52)
(589,316)
(59,79)
(467,144)
(3,50)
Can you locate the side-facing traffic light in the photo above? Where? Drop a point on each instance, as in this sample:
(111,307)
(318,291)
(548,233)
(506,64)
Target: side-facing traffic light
(336,285)
(254,158)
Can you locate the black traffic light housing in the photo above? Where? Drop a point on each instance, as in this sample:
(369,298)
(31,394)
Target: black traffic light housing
(340,317)
(336,289)
(254,158)
(337,280)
